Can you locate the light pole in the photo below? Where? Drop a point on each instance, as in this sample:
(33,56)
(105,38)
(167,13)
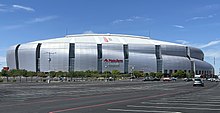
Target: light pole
(106,73)
(132,68)
(49,58)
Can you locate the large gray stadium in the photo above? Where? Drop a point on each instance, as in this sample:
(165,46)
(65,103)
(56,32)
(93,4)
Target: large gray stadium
(102,52)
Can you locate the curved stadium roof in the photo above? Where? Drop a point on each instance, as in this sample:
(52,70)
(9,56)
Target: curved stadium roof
(106,38)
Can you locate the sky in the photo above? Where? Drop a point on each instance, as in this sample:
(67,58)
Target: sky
(191,22)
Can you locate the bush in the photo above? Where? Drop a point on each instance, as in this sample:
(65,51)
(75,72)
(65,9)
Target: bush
(159,74)
(152,74)
(179,74)
(137,74)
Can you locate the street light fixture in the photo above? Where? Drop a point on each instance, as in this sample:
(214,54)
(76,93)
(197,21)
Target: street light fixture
(49,58)
(132,69)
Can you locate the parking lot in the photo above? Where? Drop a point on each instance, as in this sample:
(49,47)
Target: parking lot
(110,97)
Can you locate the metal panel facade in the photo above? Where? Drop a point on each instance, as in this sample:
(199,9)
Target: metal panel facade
(11,63)
(105,53)
(113,57)
(85,57)
(202,65)
(54,57)
(142,57)
(27,56)
(173,50)
(176,63)
(196,53)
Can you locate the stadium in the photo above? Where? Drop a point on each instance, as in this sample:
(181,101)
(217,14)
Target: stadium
(107,52)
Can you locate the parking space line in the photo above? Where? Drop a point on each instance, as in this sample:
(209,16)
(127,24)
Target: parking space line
(184,99)
(112,102)
(142,111)
(197,102)
(201,104)
(184,108)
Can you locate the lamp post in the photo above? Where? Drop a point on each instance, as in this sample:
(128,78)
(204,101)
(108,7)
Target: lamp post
(49,58)
(106,79)
(132,68)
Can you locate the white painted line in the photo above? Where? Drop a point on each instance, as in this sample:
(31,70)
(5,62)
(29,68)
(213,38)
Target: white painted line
(184,108)
(143,111)
(194,102)
(184,99)
(200,104)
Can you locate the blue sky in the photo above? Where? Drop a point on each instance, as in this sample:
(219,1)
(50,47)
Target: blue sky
(191,22)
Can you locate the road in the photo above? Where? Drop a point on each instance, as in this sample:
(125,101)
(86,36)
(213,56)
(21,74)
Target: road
(110,97)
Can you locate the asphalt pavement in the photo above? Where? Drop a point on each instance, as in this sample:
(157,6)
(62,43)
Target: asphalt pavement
(110,97)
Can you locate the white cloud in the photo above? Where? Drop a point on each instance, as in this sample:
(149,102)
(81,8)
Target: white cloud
(117,21)
(35,20)
(13,8)
(42,19)
(132,19)
(179,26)
(212,53)
(212,43)
(201,17)
(201,46)
(182,42)
(23,7)
(211,7)
(88,32)
(9,27)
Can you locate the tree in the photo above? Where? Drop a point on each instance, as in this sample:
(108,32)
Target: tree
(190,75)
(80,74)
(159,74)
(107,74)
(71,74)
(179,74)
(146,74)
(42,75)
(14,73)
(52,74)
(23,73)
(1,80)
(88,73)
(115,73)
(5,73)
(95,74)
(60,74)
(31,74)
(137,74)
(152,74)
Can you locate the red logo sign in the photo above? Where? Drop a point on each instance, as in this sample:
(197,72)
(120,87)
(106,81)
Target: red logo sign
(113,61)
(107,39)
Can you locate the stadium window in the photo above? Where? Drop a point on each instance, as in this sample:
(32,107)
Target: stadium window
(165,71)
(171,71)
